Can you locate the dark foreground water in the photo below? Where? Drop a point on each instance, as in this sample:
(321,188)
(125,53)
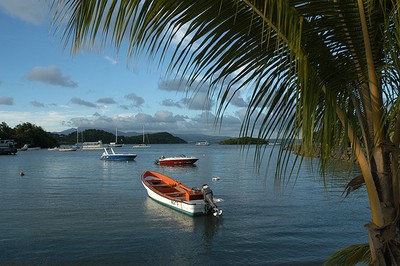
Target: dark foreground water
(72,208)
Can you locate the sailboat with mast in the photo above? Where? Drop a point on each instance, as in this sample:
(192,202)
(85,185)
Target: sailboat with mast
(115,144)
(70,148)
(143,144)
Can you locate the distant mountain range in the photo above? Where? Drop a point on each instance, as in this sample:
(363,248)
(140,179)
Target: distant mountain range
(190,138)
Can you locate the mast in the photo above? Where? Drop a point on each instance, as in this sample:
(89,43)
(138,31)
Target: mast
(143,135)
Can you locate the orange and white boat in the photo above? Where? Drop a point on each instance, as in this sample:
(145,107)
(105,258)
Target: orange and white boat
(172,193)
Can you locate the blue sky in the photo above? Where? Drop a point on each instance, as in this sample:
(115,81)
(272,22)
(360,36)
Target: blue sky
(42,83)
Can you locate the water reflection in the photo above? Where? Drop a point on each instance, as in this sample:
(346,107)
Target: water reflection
(163,214)
(111,164)
(88,212)
(113,169)
(210,226)
(176,168)
(160,212)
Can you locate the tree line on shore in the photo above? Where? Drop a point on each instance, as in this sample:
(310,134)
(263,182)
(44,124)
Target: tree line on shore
(35,136)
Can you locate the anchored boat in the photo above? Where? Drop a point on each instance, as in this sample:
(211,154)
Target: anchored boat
(172,193)
(143,144)
(112,156)
(7,146)
(92,145)
(202,143)
(176,160)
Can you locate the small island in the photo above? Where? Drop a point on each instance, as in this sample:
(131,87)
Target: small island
(244,141)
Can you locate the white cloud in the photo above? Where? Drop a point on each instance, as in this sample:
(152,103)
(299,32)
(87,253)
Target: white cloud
(160,121)
(136,100)
(32,11)
(238,101)
(171,85)
(37,104)
(171,103)
(106,101)
(111,60)
(49,121)
(6,101)
(167,117)
(199,101)
(182,36)
(79,101)
(50,75)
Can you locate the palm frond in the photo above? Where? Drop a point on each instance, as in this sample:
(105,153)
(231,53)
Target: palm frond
(298,60)
(352,255)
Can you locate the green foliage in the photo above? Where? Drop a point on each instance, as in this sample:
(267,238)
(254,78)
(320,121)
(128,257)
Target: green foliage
(89,135)
(323,71)
(351,255)
(28,133)
(92,135)
(6,132)
(66,139)
(244,141)
(155,138)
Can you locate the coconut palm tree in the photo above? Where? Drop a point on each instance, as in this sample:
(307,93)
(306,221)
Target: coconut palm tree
(323,71)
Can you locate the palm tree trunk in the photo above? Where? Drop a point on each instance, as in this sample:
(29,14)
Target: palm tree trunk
(383,233)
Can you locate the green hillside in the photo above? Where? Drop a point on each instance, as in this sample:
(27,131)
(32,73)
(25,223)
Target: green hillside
(33,135)
(243,141)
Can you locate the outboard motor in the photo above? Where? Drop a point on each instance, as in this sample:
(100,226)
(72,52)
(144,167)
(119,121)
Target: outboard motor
(208,198)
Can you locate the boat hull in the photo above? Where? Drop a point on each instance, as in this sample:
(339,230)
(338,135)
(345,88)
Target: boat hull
(113,145)
(92,146)
(7,147)
(192,208)
(113,157)
(68,148)
(202,143)
(89,148)
(185,200)
(140,146)
(177,161)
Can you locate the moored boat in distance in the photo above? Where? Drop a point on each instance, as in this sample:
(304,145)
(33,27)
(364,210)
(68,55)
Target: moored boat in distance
(27,147)
(176,160)
(172,193)
(202,143)
(66,149)
(143,144)
(112,156)
(115,144)
(91,146)
(7,147)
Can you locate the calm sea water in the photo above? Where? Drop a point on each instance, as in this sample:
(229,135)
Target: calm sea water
(72,208)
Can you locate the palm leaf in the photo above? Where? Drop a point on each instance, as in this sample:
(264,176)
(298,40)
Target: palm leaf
(351,255)
(298,59)
(325,71)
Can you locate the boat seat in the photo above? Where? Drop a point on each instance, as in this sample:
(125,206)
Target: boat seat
(154,181)
(180,189)
(160,185)
(175,193)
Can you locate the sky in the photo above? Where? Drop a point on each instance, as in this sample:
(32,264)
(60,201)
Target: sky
(41,82)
